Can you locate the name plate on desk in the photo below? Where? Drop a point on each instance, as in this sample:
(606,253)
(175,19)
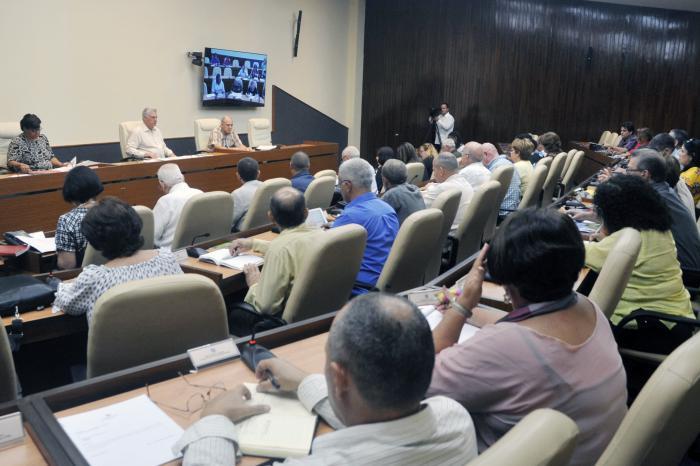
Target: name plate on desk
(213,353)
(11,429)
(180,255)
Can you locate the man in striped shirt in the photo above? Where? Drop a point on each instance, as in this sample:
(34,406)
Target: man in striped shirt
(371,394)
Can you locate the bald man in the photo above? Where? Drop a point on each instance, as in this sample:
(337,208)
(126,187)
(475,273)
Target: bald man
(472,166)
(167,211)
(225,137)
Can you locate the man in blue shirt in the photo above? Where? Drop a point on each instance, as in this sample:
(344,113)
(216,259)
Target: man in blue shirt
(493,160)
(299,165)
(376,216)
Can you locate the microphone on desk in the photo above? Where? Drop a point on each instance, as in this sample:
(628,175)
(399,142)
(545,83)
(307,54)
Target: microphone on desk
(252,354)
(194,239)
(196,252)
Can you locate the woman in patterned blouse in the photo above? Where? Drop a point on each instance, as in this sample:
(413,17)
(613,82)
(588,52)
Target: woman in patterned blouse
(690,161)
(31,150)
(81,188)
(114,228)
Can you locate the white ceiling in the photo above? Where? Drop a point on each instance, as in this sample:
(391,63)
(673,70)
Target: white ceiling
(686,5)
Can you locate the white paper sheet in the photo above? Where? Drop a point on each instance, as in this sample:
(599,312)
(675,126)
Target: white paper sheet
(434,317)
(40,244)
(134,432)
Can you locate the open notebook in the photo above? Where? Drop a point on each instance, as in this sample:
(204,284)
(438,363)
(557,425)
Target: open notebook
(286,431)
(223,258)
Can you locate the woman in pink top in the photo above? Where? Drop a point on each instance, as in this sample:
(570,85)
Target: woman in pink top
(554,350)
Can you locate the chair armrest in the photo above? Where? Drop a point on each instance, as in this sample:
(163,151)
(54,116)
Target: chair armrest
(657,315)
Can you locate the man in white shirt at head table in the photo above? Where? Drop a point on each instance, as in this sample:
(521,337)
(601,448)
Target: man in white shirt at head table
(146,140)
(167,211)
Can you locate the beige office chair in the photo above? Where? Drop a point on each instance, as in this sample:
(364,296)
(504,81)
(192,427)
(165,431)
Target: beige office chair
(551,183)
(467,238)
(569,178)
(146,320)
(531,198)
(321,173)
(8,130)
(415,243)
(611,139)
(259,132)
(698,224)
(319,193)
(227,73)
(260,204)
(414,173)
(604,137)
(448,203)
(504,175)
(544,437)
(205,216)
(93,256)
(202,130)
(8,377)
(569,159)
(545,161)
(327,277)
(125,129)
(616,271)
(662,422)
(617,140)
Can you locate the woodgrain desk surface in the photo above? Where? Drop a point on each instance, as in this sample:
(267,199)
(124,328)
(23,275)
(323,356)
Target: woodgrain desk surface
(308,354)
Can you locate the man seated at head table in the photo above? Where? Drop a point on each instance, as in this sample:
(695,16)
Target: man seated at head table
(146,141)
(555,349)
(31,149)
(268,290)
(167,211)
(247,172)
(405,198)
(371,396)
(376,216)
(114,228)
(225,137)
(299,166)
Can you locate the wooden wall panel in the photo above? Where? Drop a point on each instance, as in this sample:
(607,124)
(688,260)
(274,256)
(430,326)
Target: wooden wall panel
(507,66)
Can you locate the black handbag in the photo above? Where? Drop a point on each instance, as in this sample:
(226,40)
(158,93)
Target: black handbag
(25,292)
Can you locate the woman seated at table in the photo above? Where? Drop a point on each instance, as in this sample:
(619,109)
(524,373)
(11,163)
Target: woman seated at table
(550,144)
(31,150)
(81,188)
(520,153)
(554,350)
(690,162)
(427,153)
(114,228)
(656,282)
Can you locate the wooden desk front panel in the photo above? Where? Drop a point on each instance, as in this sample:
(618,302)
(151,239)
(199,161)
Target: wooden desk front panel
(35,202)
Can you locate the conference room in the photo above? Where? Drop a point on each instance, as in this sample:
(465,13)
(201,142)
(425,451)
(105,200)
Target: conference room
(350,232)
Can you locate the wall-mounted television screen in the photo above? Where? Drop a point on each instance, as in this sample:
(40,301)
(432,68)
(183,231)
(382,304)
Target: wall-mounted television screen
(232,78)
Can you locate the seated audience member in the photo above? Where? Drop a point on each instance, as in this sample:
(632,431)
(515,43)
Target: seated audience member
(253,95)
(114,228)
(679,136)
(374,215)
(384,153)
(372,397)
(167,211)
(446,176)
(352,152)
(217,86)
(268,290)
(448,145)
(554,350)
(651,167)
(664,144)
(690,164)
(237,89)
(492,160)
(427,153)
(655,283)
(472,166)
(81,188)
(407,153)
(551,144)
(520,153)
(244,72)
(405,198)
(225,137)
(299,166)
(644,137)
(457,138)
(628,141)
(146,140)
(31,149)
(537,154)
(247,172)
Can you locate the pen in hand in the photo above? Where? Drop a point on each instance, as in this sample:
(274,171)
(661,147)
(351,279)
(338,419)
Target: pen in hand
(271,377)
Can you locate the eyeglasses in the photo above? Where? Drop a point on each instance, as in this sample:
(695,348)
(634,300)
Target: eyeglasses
(633,170)
(195,402)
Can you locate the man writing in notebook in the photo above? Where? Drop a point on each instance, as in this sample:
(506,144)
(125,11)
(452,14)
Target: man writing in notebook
(370,394)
